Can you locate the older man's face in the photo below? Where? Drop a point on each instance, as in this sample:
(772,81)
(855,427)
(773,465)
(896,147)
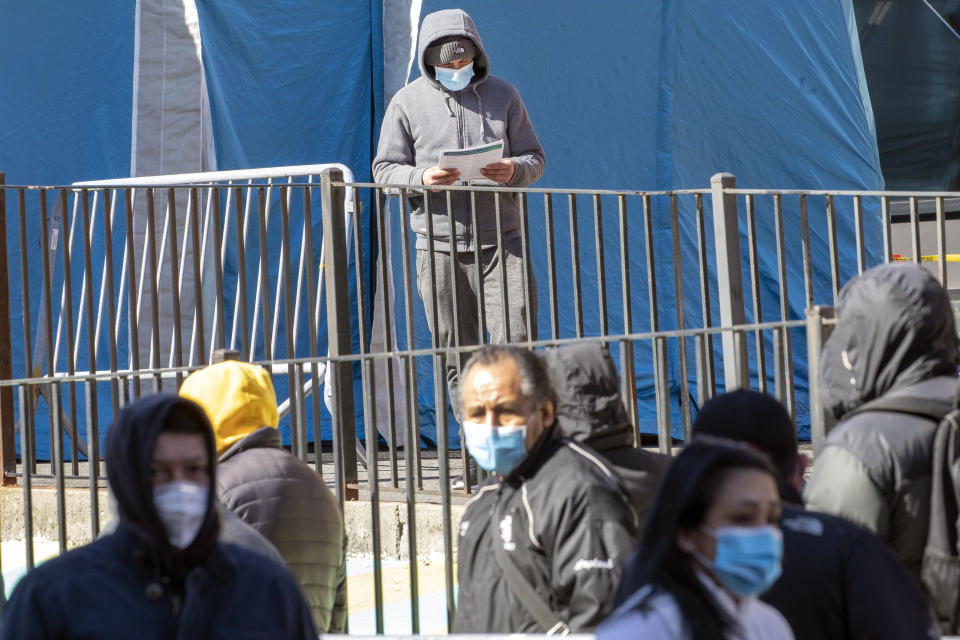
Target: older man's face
(492,395)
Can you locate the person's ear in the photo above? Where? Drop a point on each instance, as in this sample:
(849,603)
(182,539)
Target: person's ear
(799,467)
(685,542)
(546,413)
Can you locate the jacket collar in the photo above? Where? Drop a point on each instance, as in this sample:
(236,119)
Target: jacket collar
(262,438)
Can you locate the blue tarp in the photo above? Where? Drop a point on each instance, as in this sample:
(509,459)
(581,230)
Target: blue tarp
(656,94)
(663,94)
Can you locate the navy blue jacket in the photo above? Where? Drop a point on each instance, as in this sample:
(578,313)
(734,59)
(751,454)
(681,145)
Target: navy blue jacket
(133,583)
(108,589)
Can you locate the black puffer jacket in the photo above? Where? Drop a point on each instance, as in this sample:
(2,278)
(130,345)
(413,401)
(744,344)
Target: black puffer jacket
(564,520)
(133,584)
(589,410)
(895,336)
(287,502)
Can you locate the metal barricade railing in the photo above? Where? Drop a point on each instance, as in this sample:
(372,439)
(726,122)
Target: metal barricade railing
(710,310)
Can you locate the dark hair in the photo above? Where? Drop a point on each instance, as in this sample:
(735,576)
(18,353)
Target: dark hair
(686,493)
(534,381)
(755,418)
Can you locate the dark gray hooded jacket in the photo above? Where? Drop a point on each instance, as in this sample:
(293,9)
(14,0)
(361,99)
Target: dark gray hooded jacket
(895,337)
(589,409)
(424,118)
(288,503)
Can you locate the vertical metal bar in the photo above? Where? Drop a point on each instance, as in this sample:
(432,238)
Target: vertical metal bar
(941,243)
(132,303)
(548,231)
(48,247)
(263,282)
(525,256)
(298,434)
(601,267)
(858,227)
(805,250)
(706,387)
(109,210)
(338,333)
(478,267)
(414,470)
(219,324)
(755,293)
(154,260)
(93,429)
(246,349)
(815,338)
(199,337)
(457,338)
(387,328)
(175,285)
(368,382)
(885,215)
(575,264)
(8,451)
(315,381)
(502,268)
(726,230)
(29,464)
(681,319)
(628,373)
(834,253)
(71,364)
(914,231)
(658,345)
(783,353)
(27,442)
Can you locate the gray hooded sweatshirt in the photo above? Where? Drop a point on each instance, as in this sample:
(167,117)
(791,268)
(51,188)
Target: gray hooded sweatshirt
(424,118)
(895,337)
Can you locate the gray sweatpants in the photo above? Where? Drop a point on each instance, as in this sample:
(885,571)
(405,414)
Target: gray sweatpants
(469,286)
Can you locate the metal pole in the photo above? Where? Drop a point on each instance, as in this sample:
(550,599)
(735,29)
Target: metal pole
(338,330)
(726,230)
(8,452)
(816,336)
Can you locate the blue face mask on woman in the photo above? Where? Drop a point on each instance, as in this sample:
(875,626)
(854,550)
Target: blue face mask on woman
(497,449)
(455,79)
(747,561)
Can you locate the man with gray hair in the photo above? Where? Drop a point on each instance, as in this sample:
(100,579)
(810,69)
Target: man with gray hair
(554,516)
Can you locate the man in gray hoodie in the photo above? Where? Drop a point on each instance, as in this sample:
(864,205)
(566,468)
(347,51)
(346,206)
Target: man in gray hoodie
(456,104)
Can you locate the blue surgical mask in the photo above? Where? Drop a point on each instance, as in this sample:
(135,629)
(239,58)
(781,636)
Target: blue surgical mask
(455,79)
(748,558)
(498,449)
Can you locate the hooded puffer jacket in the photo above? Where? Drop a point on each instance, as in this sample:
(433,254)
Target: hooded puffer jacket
(424,118)
(895,337)
(563,519)
(270,488)
(589,410)
(133,583)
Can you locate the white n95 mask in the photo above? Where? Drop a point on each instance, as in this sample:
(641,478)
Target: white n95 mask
(182,507)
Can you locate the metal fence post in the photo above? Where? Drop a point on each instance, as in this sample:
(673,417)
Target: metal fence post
(8,451)
(338,332)
(817,334)
(726,232)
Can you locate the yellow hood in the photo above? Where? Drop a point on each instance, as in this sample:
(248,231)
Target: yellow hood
(237,396)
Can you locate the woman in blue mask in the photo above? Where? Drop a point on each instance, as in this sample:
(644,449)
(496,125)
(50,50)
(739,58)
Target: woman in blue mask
(711,546)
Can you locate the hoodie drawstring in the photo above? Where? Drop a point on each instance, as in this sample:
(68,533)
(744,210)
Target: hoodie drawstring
(480,113)
(446,101)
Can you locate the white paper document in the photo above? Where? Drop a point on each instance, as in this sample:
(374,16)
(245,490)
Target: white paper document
(470,161)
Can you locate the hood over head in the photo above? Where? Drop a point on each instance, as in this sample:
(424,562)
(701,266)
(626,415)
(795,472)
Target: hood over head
(131,440)
(588,407)
(237,396)
(895,328)
(444,25)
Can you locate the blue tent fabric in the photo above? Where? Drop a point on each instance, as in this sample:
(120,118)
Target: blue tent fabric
(291,83)
(664,94)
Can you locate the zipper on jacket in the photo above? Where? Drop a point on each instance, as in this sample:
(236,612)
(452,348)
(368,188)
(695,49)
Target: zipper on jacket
(461,196)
